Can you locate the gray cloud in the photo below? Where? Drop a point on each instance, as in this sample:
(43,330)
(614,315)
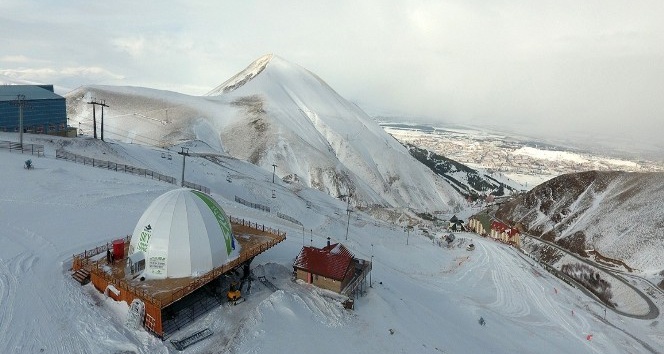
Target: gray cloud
(564,68)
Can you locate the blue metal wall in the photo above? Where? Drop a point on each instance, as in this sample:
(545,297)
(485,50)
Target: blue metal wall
(39,115)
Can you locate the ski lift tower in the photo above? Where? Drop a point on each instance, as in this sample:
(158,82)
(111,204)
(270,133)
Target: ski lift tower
(184,153)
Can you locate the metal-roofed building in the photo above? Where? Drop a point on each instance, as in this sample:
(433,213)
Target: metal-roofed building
(44,111)
(332,267)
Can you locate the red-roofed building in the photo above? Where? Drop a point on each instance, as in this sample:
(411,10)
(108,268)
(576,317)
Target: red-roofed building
(505,233)
(332,267)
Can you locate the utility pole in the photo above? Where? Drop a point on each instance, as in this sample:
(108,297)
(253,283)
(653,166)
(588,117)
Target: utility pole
(102,119)
(408,233)
(371,266)
(184,153)
(274,169)
(348,223)
(20,102)
(94,104)
(348,211)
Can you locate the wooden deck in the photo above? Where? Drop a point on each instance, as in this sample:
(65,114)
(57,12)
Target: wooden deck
(171,289)
(253,239)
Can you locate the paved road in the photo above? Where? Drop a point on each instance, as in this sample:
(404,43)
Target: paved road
(653,310)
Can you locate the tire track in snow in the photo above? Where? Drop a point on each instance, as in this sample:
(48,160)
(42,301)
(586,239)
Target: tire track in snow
(7,297)
(508,279)
(560,315)
(25,262)
(506,284)
(40,282)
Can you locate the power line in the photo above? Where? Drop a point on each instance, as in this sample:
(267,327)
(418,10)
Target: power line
(135,136)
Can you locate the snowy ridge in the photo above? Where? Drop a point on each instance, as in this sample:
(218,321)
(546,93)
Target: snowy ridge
(277,113)
(7,80)
(617,213)
(242,77)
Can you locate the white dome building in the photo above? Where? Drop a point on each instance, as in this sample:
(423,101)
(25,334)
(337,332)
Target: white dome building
(183,233)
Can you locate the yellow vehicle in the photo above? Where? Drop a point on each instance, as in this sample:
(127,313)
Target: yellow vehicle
(234,293)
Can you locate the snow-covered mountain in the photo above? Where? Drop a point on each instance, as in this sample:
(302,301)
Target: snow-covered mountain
(619,214)
(8,80)
(424,298)
(276,113)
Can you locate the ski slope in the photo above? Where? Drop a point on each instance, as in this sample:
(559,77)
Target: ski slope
(424,299)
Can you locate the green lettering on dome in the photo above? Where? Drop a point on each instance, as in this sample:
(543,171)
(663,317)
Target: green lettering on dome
(221,217)
(144,239)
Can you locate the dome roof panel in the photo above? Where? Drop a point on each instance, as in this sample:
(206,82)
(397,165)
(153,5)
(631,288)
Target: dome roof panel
(183,233)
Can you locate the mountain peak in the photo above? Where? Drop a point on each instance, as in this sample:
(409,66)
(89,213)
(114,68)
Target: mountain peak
(242,77)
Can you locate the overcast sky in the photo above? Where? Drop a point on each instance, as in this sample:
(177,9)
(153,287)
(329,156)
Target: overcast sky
(565,68)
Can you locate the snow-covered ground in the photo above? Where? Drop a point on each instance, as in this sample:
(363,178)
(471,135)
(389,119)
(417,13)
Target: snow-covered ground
(424,299)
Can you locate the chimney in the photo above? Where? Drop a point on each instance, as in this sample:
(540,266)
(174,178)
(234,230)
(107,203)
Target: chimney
(328,242)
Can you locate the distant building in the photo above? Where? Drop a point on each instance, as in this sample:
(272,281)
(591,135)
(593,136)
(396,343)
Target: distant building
(456,224)
(332,267)
(480,224)
(44,111)
(505,233)
(483,225)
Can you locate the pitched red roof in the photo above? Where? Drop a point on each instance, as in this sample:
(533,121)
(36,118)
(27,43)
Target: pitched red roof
(331,261)
(499,226)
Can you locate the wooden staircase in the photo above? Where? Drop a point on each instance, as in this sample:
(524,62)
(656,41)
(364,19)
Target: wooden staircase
(82,276)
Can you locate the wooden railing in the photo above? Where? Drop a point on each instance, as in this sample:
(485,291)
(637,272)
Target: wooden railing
(257,226)
(82,260)
(109,165)
(14,146)
(289,218)
(196,186)
(122,284)
(252,205)
(358,279)
(209,276)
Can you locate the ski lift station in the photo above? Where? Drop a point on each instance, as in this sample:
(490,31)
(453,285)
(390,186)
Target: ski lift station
(181,248)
